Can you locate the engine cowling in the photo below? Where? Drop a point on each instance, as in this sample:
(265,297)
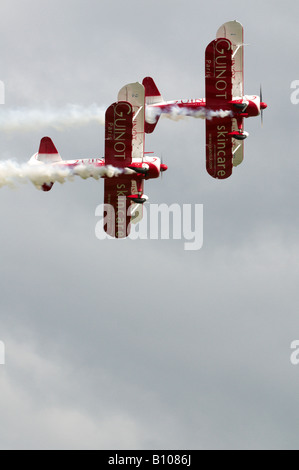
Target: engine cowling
(150,167)
(155,166)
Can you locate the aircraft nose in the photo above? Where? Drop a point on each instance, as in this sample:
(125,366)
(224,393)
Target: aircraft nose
(163,167)
(264,105)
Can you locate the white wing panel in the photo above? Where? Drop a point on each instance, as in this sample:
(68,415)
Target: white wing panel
(233,30)
(134,93)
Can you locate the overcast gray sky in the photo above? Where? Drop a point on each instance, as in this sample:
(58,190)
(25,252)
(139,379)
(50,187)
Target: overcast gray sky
(139,344)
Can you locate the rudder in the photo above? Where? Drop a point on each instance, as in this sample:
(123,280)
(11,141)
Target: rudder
(152,98)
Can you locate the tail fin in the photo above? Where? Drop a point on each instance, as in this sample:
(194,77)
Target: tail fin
(152,97)
(47,152)
(152,94)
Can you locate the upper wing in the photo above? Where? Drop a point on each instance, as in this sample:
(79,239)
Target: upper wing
(119,134)
(218,74)
(134,93)
(233,30)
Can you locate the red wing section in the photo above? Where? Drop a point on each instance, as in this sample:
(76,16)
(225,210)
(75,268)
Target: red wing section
(219,154)
(218,71)
(116,219)
(119,134)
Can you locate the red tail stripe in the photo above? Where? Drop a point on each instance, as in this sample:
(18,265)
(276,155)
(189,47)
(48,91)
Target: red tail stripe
(47,146)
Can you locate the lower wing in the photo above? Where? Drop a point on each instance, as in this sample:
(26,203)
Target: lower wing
(121,210)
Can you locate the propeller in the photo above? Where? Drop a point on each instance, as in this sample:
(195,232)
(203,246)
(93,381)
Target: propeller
(263,105)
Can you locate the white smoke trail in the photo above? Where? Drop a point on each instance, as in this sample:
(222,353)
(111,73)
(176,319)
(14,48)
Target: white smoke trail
(24,119)
(59,119)
(176,113)
(12,173)
(90,171)
(220,114)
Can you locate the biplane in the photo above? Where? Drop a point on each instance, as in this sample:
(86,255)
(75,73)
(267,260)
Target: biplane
(124,152)
(225,106)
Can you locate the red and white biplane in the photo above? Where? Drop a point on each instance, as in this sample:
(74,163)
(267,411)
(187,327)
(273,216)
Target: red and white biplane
(125,167)
(224,107)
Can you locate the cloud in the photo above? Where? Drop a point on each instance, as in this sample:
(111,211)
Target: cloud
(34,387)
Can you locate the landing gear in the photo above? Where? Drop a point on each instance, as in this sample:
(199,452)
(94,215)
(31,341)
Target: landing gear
(239,135)
(138,198)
